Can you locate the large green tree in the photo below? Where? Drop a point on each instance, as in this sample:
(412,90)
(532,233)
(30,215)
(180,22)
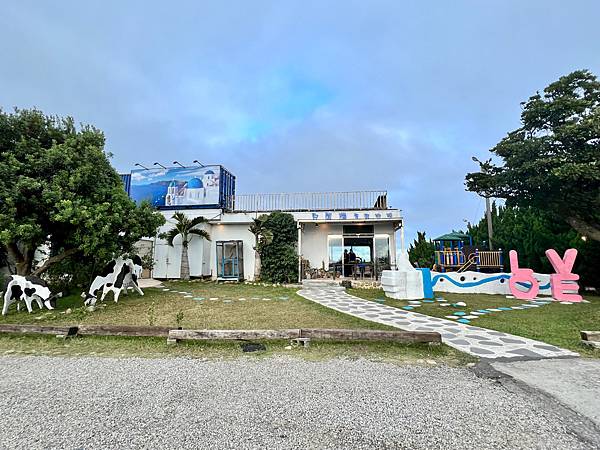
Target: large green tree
(531,232)
(57,187)
(552,162)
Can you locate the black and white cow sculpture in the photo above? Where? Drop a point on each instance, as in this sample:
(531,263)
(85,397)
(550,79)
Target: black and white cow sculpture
(117,277)
(27,289)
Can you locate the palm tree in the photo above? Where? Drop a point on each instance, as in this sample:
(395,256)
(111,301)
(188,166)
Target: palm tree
(185,227)
(263,236)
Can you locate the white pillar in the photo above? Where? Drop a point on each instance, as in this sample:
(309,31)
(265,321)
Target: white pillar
(299,252)
(402,248)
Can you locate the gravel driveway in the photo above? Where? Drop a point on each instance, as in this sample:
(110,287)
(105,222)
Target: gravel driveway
(52,402)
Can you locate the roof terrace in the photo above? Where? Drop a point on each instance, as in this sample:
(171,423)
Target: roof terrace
(310,201)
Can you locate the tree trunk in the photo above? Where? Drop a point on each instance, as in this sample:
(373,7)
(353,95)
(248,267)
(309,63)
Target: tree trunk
(256,265)
(22,264)
(54,260)
(584,228)
(185,262)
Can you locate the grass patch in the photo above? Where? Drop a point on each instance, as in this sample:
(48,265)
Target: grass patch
(283,309)
(553,323)
(107,346)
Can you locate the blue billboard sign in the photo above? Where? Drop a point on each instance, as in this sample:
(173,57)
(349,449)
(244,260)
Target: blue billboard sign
(176,187)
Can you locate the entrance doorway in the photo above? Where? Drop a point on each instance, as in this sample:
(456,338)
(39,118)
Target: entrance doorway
(358,256)
(361,255)
(230,260)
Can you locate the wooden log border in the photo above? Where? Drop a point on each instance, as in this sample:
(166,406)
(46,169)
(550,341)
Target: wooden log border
(310,333)
(592,336)
(205,335)
(87,330)
(123,330)
(65,330)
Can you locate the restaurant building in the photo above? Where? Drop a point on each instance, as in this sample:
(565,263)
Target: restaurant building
(343,234)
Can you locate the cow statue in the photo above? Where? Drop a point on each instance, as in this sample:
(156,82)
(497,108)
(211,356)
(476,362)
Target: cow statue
(27,289)
(116,277)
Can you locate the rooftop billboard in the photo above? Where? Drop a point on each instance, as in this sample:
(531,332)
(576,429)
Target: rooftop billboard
(177,186)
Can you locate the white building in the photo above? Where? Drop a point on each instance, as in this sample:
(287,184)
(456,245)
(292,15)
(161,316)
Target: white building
(348,234)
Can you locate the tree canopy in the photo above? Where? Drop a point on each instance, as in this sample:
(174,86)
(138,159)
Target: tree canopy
(552,162)
(422,251)
(57,187)
(531,232)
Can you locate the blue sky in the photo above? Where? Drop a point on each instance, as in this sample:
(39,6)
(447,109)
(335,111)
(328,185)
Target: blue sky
(301,95)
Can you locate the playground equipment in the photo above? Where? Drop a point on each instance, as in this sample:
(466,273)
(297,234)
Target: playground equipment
(454,252)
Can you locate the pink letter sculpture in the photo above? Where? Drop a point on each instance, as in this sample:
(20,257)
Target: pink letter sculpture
(521,276)
(564,282)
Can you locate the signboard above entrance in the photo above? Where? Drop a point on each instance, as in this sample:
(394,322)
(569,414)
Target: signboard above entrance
(352,215)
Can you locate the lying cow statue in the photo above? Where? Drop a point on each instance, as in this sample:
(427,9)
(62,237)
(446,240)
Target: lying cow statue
(117,277)
(27,289)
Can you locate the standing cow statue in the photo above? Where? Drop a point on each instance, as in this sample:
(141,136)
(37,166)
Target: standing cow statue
(27,289)
(117,277)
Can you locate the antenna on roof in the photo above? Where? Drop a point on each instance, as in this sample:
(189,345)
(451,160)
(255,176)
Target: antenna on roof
(159,164)
(178,163)
(199,163)
(143,167)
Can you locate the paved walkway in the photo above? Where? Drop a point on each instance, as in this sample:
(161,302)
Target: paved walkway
(574,383)
(476,341)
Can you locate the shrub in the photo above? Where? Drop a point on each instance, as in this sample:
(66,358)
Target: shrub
(279,258)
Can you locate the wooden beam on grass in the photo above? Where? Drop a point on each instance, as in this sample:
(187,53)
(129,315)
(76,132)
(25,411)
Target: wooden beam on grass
(593,336)
(372,335)
(203,335)
(123,330)
(310,333)
(39,329)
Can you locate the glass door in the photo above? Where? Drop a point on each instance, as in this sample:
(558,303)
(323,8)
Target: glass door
(382,253)
(335,250)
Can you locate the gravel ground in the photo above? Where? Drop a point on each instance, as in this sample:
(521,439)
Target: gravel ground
(52,402)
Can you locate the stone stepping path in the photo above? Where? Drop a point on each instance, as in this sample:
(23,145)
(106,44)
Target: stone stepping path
(457,333)
(227,300)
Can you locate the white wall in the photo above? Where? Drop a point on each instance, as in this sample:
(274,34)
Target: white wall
(314,243)
(233,232)
(167,259)
(471,282)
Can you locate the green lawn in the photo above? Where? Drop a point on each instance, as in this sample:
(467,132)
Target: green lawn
(282,309)
(553,323)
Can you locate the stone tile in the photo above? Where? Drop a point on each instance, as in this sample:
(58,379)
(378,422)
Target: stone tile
(477,337)
(512,340)
(481,351)
(490,343)
(525,352)
(550,348)
(459,342)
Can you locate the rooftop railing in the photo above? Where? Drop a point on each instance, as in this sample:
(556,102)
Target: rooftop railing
(310,201)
